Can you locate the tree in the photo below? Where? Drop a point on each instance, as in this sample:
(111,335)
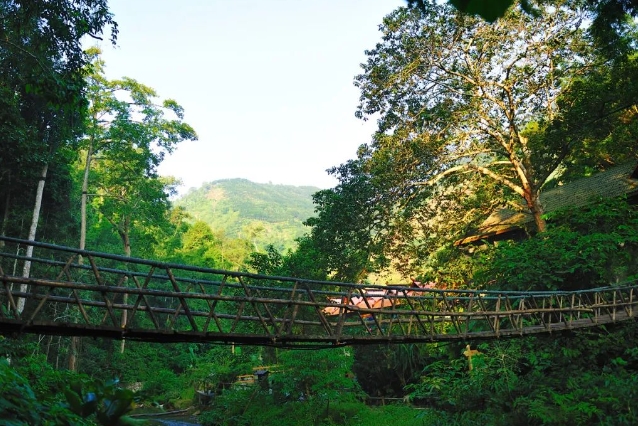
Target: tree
(347,230)
(41,75)
(306,262)
(469,107)
(523,381)
(200,246)
(319,374)
(41,60)
(131,134)
(464,131)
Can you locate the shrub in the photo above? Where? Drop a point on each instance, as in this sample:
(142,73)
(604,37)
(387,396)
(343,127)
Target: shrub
(19,405)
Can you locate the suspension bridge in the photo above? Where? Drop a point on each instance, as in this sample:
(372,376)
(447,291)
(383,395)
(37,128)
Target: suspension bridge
(84,293)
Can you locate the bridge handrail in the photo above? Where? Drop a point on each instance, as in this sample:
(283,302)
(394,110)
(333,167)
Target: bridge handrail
(121,297)
(459,293)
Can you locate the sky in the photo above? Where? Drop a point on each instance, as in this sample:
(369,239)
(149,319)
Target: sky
(266,84)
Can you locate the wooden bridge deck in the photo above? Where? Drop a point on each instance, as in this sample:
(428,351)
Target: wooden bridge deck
(111,296)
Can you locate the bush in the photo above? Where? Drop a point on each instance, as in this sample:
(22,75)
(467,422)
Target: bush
(19,405)
(163,385)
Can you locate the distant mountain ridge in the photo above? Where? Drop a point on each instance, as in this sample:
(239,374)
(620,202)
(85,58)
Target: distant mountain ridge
(263,213)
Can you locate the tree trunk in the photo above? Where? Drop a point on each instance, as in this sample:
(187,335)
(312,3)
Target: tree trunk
(530,192)
(127,252)
(85,189)
(5,216)
(26,271)
(73,353)
(536,208)
(75,340)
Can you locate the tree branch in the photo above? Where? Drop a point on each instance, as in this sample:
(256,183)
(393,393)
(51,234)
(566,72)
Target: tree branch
(481,169)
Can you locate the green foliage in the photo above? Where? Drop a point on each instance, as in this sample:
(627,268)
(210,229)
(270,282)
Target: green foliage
(584,248)
(269,263)
(107,401)
(306,387)
(348,229)
(128,133)
(598,119)
(463,87)
(572,378)
(323,374)
(157,366)
(44,102)
(33,393)
(386,370)
(307,262)
(162,385)
(397,202)
(585,378)
(20,406)
(200,247)
(81,403)
(423,180)
(229,409)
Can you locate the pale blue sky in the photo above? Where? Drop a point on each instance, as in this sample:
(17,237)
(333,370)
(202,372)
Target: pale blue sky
(267,84)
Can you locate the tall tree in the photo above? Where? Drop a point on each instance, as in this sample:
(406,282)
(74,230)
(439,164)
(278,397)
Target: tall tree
(466,91)
(131,132)
(471,117)
(41,60)
(200,246)
(348,232)
(370,222)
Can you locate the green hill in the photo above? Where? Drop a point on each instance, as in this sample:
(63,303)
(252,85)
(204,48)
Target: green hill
(262,213)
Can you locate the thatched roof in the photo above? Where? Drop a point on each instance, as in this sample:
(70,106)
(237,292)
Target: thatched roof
(614,182)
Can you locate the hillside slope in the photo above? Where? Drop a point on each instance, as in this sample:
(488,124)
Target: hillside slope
(262,213)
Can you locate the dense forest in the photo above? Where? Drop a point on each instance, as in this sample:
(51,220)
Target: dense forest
(486,120)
